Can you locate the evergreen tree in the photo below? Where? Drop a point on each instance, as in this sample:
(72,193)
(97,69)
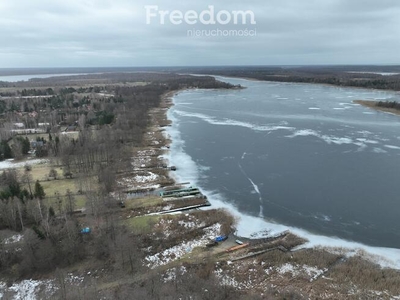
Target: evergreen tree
(39,192)
(5,150)
(26,146)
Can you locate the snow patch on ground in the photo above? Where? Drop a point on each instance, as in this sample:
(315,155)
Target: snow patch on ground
(177,251)
(145,179)
(13,239)
(31,289)
(74,279)
(296,270)
(28,289)
(150,176)
(249,276)
(10,163)
(260,234)
(171,274)
(187,224)
(164,226)
(143,158)
(191,222)
(2,289)
(226,280)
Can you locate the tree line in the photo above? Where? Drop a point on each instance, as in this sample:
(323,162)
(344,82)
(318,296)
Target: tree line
(389,104)
(338,76)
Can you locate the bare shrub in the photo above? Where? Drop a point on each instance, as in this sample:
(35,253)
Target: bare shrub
(368,275)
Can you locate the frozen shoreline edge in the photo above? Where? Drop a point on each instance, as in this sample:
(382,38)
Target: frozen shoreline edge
(385,257)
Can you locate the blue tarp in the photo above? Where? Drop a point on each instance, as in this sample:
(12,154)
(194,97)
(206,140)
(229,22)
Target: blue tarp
(85,230)
(221,238)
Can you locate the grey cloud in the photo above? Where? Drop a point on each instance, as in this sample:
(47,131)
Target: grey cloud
(113,33)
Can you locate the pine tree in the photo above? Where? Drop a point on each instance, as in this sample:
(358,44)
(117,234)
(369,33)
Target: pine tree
(39,192)
(5,150)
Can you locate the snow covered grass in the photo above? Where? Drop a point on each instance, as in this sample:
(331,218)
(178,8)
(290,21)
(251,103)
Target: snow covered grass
(31,289)
(259,276)
(28,289)
(245,275)
(143,180)
(168,226)
(171,274)
(149,177)
(227,280)
(143,158)
(348,279)
(164,226)
(191,223)
(296,270)
(178,251)
(10,163)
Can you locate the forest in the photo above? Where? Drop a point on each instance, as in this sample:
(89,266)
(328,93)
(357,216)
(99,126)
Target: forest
(388,104)
(370,77)
(83,136)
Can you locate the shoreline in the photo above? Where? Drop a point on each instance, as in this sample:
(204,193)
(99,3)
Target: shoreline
(382,256)
(372,104)
(306,83)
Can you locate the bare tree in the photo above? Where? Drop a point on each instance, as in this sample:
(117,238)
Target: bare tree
(27,179)
(71,202)
(16,149)
(53,173)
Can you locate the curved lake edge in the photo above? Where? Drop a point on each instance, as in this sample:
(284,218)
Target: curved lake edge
(373,105)
(385,257)
(301,83)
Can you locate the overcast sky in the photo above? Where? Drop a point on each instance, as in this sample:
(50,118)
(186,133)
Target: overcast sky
(101,33)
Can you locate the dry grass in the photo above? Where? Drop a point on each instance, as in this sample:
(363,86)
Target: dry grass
(143,202)
(367,276)
(80,201)
(290,241)
(142,225)
(41,172)
(372,104)
(61,186)
(311,257)
(209,217)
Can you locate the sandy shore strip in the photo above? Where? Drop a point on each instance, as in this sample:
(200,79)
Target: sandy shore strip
(372,104)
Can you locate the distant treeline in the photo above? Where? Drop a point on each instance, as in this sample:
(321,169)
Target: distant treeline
(117,78)
(339,76)
(389,104)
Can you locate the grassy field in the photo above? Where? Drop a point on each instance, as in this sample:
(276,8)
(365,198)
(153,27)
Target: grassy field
(80,201)
(142,225)
(143,202)
(60,185)
(41,172)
